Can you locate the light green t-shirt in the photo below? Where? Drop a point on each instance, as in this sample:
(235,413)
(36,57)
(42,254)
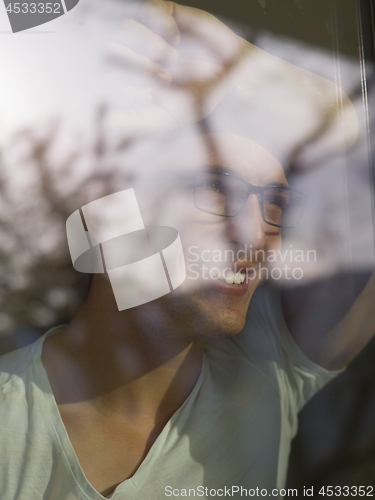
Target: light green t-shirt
(234,429)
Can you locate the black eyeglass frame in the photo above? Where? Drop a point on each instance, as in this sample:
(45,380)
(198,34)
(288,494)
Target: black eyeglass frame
(259,190)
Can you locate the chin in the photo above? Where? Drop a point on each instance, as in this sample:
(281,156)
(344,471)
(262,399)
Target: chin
(206,315)
(224,322)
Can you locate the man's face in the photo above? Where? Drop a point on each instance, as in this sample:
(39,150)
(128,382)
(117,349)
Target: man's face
(216,246)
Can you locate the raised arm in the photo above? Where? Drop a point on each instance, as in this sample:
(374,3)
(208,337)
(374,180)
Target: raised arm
(333,319)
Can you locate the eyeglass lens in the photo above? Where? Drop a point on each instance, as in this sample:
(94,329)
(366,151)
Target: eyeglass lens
(225,195)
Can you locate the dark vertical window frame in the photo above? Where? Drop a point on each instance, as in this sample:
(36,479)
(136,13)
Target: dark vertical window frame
(366,43)
(353,35)
(335,454)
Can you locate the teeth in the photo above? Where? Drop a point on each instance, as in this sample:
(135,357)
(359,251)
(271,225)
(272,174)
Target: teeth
(230,277)
(238,278)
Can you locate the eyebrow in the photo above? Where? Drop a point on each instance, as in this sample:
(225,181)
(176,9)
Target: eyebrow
(227,170)
(277,184)
(222,170)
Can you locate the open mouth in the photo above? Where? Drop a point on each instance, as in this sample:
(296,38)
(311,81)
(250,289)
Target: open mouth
(230,283)
(230,276)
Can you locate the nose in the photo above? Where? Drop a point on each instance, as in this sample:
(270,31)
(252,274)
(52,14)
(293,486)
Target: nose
(248,226)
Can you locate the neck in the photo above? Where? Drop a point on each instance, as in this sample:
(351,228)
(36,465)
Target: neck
(133,359)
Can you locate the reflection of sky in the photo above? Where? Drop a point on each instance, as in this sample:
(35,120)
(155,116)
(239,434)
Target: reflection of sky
(54,73)
(62,74)
(61,71)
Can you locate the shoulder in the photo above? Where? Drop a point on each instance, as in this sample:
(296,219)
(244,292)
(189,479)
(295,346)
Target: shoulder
(15,372)
(15,365)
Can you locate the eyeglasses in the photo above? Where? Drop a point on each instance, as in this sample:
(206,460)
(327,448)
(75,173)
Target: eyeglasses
(225,195)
